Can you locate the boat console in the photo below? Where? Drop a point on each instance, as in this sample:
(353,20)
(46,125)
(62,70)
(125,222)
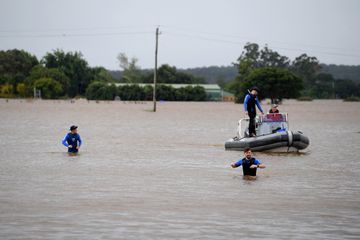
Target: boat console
(265,124)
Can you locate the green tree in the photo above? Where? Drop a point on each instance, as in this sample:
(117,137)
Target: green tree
(190,93)
(131,92)
(56,74)
(50,88)
(270,58)
(307,68)
(75,68)
(346,88)
(199,93)
(323,86)
(169,74)
(252,58)
(148,91)
(102,75)
(248,60)
(21,89)
(274,83)
(166,93)
(6,90)
(15,66)
(131,71)
(101,91)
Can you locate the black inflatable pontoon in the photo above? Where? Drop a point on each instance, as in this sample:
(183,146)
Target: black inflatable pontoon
(272,135)
(282,141)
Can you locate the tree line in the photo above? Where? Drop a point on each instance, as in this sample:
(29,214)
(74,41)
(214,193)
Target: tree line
(278,77)
(135,92)
(211,75)
(62,74)
(57,74)
(224,74)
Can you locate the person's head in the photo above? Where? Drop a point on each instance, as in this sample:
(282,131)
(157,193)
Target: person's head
(248,153)
(73,129)
(254,91)
(274,107)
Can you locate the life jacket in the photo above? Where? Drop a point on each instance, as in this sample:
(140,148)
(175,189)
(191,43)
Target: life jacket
(251,105)
(247,171)
(72,139)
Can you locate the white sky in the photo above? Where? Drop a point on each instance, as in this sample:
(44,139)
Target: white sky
(194,32)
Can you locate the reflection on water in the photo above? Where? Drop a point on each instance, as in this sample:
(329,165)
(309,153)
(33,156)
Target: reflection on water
(163,175)
(295,154)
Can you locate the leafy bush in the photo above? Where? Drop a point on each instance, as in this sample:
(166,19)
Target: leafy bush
(305,98)
(352,99)
(104,91)
(50,88)
(101,91)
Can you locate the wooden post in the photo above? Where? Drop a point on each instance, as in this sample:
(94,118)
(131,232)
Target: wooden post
(155,69)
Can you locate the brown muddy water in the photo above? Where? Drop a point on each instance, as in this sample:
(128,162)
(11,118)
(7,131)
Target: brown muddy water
(166,175)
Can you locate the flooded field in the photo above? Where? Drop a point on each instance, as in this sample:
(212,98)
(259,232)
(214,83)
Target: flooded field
(166,175)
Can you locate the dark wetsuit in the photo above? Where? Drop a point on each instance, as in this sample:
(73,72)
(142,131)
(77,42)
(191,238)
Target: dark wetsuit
(249,105)
(72,139)
(246,163)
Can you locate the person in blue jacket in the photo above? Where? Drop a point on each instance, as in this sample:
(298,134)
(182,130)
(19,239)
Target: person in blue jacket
(72,140)
(250,102)
(248,163)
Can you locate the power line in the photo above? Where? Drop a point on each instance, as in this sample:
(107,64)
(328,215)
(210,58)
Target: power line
(243,42)
(57,35)
(76,29)
(65,32)
(251,39)
(200,35)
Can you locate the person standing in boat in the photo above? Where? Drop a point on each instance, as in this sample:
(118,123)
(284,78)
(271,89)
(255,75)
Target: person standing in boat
(250,102)
(72,140)
(248,163)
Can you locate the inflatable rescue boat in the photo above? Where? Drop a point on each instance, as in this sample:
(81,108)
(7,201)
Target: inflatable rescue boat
(272,134)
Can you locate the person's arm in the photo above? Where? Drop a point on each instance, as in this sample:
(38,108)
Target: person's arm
(257,164)
(258,105)
(237,164)
(246,101)
(64,141)
(80,141)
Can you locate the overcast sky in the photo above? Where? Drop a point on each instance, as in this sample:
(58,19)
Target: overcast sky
(194,32)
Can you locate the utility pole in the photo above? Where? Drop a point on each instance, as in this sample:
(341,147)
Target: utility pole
(155,69)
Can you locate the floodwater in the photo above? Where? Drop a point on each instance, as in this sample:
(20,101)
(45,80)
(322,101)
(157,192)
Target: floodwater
(166,175)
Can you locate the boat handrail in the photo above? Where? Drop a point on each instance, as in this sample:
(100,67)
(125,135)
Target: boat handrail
(239,130)
(262,119)
(273,117)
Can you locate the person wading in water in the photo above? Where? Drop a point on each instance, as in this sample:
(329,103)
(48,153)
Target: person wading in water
(249,164)
(250,109)
(72,140)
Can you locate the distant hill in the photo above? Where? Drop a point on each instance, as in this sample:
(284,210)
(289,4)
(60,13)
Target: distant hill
(223,74)
(213,74)
(115,74)
(342,71)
